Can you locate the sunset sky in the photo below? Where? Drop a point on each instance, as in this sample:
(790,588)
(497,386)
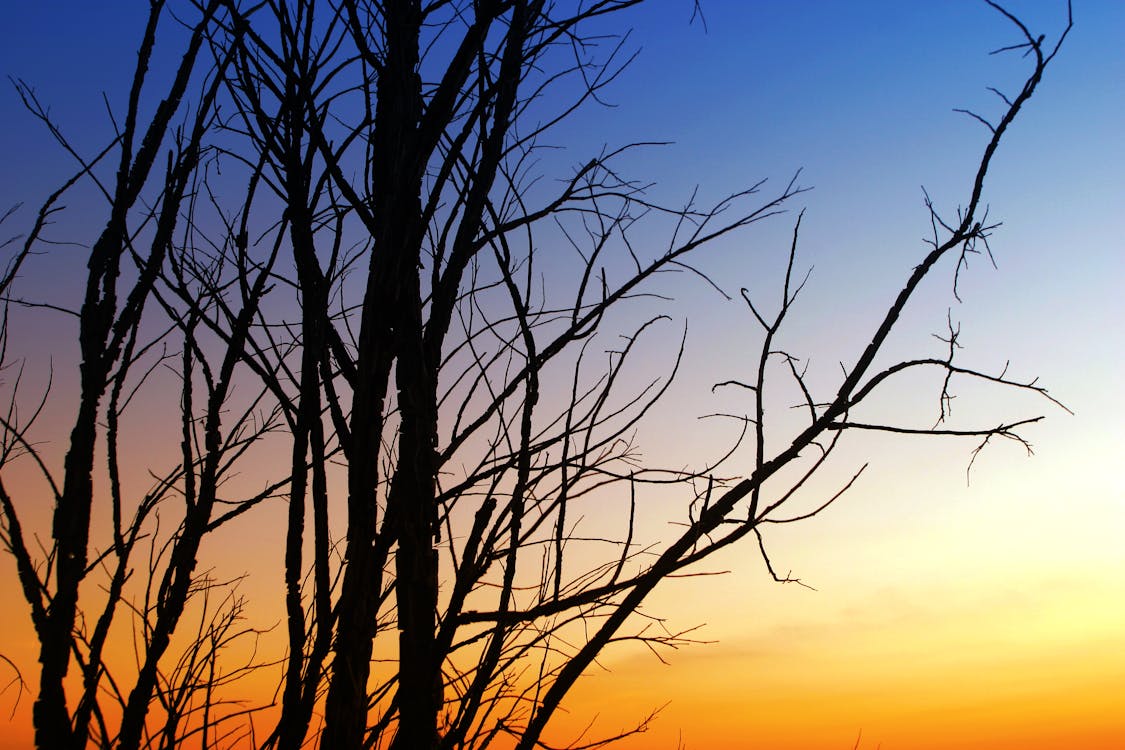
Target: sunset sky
(976,609)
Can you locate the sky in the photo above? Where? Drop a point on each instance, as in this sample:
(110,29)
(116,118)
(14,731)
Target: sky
(952,609)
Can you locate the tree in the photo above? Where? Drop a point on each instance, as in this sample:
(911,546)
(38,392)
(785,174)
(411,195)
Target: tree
(382,303)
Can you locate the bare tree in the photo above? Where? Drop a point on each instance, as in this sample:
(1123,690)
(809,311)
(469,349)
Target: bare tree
(441,347)
(119,351)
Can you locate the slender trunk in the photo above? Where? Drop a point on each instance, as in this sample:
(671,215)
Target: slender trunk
(416,564)
(296,712)
(71,529)
(71,524)
(396,189)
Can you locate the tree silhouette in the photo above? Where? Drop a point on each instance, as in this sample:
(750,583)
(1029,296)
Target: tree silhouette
(397,340)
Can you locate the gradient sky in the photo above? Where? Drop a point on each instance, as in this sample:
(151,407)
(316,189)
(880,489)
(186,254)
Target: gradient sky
(947,613)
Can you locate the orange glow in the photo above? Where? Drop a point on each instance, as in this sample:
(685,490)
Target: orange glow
(1000,679)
